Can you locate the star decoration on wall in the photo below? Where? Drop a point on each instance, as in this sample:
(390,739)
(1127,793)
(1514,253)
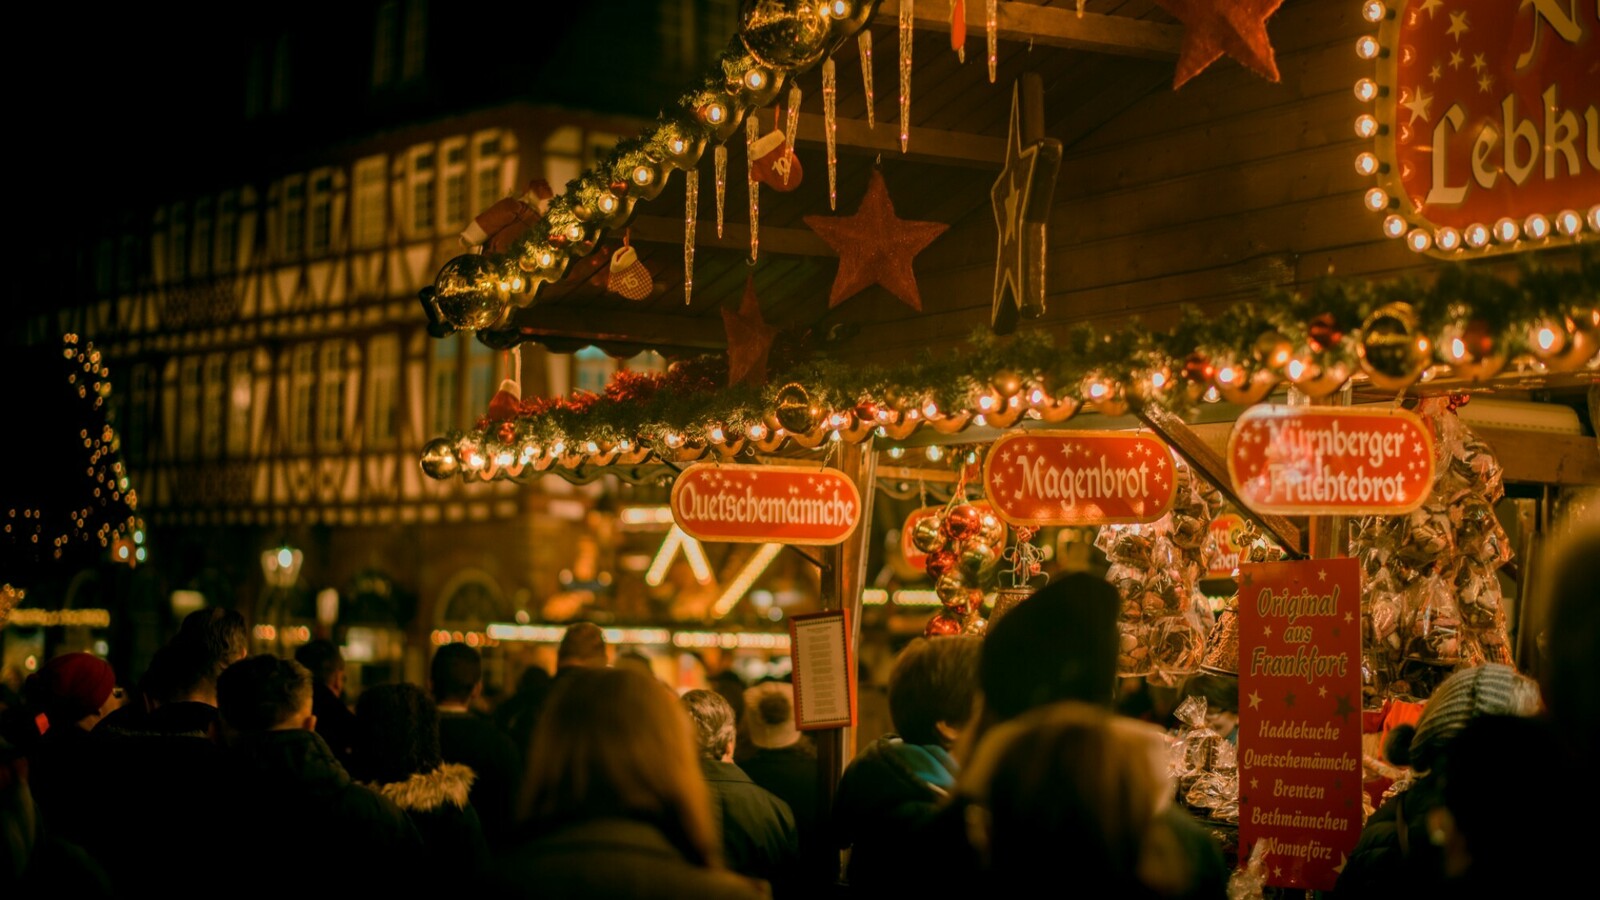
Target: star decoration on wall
(749,339)
(875,246)
(1022,197)
(1214,27)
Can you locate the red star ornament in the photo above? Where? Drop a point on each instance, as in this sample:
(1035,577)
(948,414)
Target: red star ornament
(749,339)
(1214,27)
(875,247)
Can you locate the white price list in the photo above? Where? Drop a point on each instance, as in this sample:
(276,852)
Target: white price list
(824,683)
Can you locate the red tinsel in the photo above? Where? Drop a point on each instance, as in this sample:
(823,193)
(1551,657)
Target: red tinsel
(633,387)
(507,432)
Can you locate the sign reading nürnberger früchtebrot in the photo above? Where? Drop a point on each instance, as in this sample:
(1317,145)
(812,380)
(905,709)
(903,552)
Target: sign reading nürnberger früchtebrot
(1325,461)
(765,504)
(1079,478)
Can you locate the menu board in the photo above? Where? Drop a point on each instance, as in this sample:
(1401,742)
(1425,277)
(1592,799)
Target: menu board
(1300,717)
(824,671)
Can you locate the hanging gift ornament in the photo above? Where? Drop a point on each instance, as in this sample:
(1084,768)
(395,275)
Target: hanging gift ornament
(719,161)
(773,161)
(691,212)
(1469,347)
(752,133)
(991,27)
(785,34)
(958,29)
(468,292)
(628,276)
(907,33)
(794,410)
(1392,348)
(830,90)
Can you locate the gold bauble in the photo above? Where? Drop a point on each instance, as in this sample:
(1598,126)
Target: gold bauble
(1392,348)
(787,34)
(439,460)
(468,292)
(794,410)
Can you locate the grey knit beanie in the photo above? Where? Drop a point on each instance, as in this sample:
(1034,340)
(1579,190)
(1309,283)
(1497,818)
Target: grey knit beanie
(1487,690)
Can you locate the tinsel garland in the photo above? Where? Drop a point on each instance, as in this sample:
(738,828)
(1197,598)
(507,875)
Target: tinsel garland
(998,381)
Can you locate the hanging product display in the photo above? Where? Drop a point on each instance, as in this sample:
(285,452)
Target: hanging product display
(875,246)
(628,276)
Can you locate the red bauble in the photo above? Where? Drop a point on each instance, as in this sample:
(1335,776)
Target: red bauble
(943,625)
(963,522)
(1198,369)
(939,562)
(1324,333)
(964,604)
(620,188)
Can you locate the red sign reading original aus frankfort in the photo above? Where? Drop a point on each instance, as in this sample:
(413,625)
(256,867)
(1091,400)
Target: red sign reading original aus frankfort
(1493,112)
(765,504)
(1079,478)
(1323,461)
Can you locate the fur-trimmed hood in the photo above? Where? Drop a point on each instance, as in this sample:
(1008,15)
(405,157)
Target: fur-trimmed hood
(427,791)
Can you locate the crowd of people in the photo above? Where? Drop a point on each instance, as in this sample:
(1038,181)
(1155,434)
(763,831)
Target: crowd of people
(222,772)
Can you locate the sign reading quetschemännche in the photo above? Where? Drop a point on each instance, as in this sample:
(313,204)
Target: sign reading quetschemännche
(1079,477)
(1300,717)
(1317,460)
(765,504)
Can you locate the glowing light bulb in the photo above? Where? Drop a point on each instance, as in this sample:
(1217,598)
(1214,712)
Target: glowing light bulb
(1377,199)
(1367,47)
(1366,125)
(1536,226)
(503,458)
(1296,369)
(285,558)
(643,175)
(896,452)
(591,447)
(1477,236)
(139,554)
(575,231)
(1098,390)
(1505,230)
(625,445)
(1418,240)
(1366,90)
(881,431)
(980,420)
(934,453)
(1447,238)
(1036,396)
(1594,217)
(559,448)
(755,79)
(1227,375)
(1394,226)
(758,432)
(546,259)
(674,440)
(838,9)
(1373,11)
(678,145)
(930,410)
(834,436)
(608,203)
(986,402)
(1212,395)
(475,460)
(1367,164)
(1568,222)
(717,434)
(837,420)
(1158,380)
(883,415)
(1457,350)
(1547,338)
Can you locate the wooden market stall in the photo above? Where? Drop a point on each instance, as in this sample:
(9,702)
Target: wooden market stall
(1051,184)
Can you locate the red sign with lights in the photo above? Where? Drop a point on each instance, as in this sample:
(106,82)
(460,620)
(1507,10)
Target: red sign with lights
(914,557)
(1316,460)
(765,504)
(1490,127)
(1079,478)
(1300,717)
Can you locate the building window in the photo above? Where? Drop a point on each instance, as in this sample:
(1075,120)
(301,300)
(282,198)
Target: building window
(416,40)
(213,408)
(240,385)
(292,215)
(383,382)
(480,378)
(136,437)
(178,243)
(444,376)
(320,226)
(200,259)
(371,201)
(227,231)
(386,36)
(486,164)
(303,386)
(188,412)
(330,400)
(455,182)
(594,369)
(424,197)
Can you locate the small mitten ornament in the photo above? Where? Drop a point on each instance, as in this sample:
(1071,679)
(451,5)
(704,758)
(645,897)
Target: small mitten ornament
(499,226)
(774,163)
(628,276)
(503,405)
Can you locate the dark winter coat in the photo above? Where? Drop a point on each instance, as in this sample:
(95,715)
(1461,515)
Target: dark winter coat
(335,722)
(292,805)
(790,774)
(1394,857)
(474,742)
(759,837)
(888,792)
(611,858)
(436,803)
(65,782)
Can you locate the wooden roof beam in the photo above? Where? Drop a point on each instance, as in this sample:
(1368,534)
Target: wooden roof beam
(932,145)
(1050,26)
(735,236)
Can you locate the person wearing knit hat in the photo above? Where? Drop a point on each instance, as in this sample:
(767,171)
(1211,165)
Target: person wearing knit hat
(786,766)
(1395,856)
(72,693)
(74,690)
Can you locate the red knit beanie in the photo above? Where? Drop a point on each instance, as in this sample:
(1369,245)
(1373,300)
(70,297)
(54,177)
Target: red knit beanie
(71,686)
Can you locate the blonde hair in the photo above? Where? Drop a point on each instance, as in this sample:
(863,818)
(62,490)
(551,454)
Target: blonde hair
(1073,774)
(613,743)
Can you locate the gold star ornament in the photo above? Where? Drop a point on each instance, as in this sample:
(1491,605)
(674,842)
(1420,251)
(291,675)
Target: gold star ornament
(1022,198)
(1214,27)
(875,246)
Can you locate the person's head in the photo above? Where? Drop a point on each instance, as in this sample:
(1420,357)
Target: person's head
(1571,634)
(74,690)
(325,662)
(456,676)
(218,635)
(1059,644)
(1071,775)
(264,693)
(533,680)
(614,744)
(769,715)
(397,733)
(636,661)
(715,726)
(1491,828)
(1487,690)
(584,644)
(931,689)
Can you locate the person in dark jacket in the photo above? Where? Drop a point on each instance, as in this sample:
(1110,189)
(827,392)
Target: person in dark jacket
(517,715)
(73,692)
(397,742)
(614,800)
(335,722)
(291,802)
(34,862)
(897,782)
(465,737)
(759,837)
(784,763)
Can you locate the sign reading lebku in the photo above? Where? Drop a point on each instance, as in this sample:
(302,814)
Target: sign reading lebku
(1487,135)
(915,558)
(1300,717)
(1227,531)
(1079,478)
(765,504)
(1318,460)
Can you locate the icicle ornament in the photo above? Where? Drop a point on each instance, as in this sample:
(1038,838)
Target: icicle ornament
(991,25)
(752,131)
(958,29)
(791,125)
(830,90)
(908,31)
(691,211)
(719,158)
(864,42)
